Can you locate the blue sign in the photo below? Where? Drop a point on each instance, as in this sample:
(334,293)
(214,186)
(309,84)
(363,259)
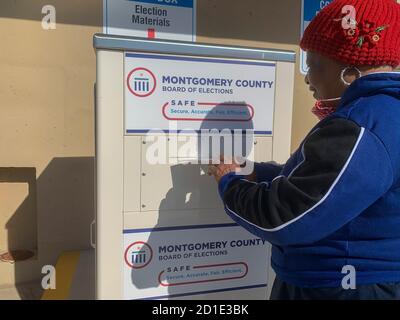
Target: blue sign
(174,3)
(312,7)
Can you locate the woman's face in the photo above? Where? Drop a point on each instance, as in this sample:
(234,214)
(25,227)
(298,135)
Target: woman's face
(323,76)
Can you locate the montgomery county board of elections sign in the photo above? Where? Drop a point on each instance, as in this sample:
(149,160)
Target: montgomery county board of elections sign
(309,9)
(160,19)
(182,261)
(193,93)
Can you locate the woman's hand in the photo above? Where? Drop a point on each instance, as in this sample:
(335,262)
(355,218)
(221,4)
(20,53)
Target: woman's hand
(225,167)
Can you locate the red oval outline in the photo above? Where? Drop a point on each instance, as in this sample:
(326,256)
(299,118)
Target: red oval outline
(202,281)
(212,104)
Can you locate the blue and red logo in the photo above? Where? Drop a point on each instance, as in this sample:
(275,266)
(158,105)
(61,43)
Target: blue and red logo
(141,82)
(138,255)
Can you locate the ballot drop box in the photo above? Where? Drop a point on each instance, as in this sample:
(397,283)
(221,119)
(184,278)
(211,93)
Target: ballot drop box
(164,109)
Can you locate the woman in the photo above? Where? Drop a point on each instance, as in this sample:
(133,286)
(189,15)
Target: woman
(332,212)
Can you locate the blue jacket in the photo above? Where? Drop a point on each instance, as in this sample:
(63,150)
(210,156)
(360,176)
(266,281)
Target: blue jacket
(336,201)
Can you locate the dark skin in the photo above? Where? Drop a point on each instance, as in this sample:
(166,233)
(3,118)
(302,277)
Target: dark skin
(323,75)
(324,81)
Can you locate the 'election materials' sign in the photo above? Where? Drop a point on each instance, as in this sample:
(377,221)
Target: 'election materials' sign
(159,19)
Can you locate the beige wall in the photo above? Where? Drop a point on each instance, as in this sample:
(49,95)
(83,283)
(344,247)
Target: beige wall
(47,113)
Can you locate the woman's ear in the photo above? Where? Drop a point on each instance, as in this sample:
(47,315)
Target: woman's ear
(350,74)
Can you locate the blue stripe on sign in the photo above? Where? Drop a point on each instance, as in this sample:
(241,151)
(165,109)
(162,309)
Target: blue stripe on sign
(205,292)
(172,3)
(106,16)
(195,59)
(204,226)
(185,131)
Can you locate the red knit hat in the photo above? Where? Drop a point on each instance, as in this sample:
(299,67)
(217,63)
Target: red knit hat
(372,39)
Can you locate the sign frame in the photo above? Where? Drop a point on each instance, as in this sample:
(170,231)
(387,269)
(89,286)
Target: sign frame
(106,27)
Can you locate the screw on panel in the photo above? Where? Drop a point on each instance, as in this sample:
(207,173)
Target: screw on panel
(143,174)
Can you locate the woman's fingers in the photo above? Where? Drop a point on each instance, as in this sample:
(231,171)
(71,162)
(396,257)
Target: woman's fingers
(211,170)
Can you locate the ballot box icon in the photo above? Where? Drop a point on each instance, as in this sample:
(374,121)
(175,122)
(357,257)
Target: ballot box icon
(138,255)
(141,84)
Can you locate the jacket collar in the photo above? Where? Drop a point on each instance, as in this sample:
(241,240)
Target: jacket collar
(371,84)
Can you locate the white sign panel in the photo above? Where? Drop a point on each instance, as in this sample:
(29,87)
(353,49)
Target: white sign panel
(160,19)
(198,93)
(181,261)
(310,9)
